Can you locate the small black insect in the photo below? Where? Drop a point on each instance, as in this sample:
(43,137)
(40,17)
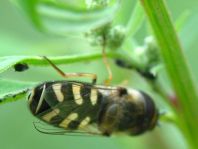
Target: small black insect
(20,67)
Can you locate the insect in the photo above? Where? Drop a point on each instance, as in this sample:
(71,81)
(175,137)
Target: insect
(20,67)
(88,108)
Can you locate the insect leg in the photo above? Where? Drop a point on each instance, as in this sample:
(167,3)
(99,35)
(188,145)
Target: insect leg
(107,81)
(70,75)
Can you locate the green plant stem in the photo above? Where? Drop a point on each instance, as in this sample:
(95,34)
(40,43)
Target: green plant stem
(177,67)
(38,60)
(9,61)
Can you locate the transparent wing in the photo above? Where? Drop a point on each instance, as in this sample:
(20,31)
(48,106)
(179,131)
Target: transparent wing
(46,129)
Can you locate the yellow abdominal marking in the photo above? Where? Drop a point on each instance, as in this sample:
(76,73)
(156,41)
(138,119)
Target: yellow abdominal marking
(57,91)
(47,117)
(76,92)
(93,96)
(84,122)
(68,119)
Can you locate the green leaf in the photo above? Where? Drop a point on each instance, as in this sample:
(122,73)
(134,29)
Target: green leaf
(29,7)
(13,90)
(61,18)
(136,20)
(9,61)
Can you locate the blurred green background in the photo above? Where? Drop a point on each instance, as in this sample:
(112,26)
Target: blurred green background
(19,37)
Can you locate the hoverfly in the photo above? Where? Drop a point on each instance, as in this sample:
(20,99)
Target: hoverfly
(93,109)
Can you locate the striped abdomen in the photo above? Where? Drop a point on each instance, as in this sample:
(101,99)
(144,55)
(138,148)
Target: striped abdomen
(65,104)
